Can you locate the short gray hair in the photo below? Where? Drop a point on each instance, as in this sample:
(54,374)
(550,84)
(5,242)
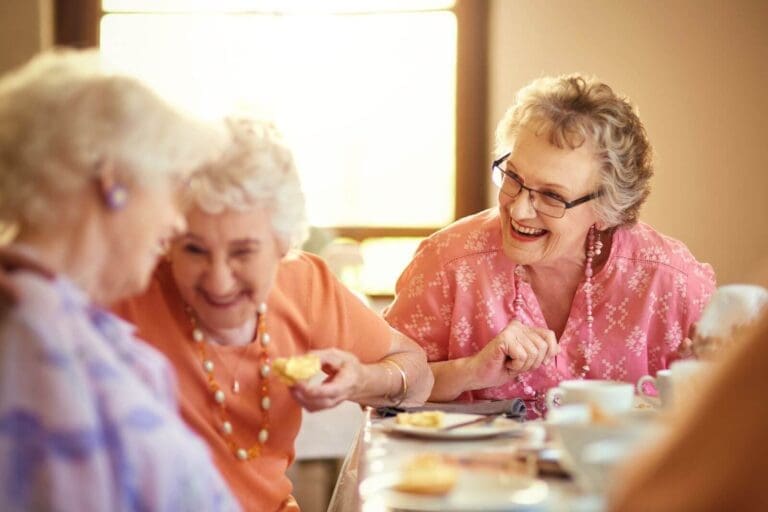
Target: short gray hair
(574,110)
(63,114)
(257,169)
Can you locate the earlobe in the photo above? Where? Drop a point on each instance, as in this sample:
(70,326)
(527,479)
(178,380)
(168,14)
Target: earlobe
(113,193)
(600,224)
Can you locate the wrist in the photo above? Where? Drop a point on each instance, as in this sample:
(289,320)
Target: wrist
(400,385)
(470,367)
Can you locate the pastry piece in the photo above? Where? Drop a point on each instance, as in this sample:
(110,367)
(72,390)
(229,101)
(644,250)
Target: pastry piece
(428,474)
(297,368)
(425,419)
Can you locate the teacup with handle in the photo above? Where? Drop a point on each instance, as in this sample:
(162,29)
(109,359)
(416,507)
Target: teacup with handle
(662,383)
(612,397)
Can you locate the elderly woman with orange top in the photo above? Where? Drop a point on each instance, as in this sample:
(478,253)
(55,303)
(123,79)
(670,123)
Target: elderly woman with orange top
(561,281)
(90,164)
(233,296)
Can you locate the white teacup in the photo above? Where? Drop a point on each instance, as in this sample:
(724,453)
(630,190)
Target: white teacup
(610,396)
(662,382)
(678,384)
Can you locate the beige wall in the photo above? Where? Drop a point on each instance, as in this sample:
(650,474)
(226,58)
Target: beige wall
(698,70)
(26,27)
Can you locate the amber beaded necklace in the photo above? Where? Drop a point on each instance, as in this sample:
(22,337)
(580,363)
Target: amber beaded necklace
(220,396)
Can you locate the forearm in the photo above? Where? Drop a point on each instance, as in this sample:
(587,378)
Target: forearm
(452,378)
(402,377)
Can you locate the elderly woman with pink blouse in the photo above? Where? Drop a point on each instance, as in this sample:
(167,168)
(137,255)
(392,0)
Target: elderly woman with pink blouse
(561,280)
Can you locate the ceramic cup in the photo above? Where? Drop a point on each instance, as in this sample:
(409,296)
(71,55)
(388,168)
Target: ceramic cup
(662,383)
(610,396)
(677,385)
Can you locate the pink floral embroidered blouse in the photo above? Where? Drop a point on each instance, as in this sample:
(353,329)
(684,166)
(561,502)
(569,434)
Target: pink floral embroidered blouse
(457,294)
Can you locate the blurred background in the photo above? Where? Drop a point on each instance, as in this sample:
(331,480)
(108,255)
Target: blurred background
(390,105)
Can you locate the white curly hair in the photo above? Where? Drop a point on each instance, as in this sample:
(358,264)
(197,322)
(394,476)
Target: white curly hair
(256,170)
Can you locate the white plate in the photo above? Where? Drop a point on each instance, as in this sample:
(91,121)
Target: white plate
(497,427)
(474,491)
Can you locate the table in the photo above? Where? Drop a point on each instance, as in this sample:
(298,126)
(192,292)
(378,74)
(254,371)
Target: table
(376,452)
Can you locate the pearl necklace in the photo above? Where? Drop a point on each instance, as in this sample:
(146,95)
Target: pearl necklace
(594,248)
(220,397)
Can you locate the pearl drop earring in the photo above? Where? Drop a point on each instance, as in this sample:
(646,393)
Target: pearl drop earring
(116,197)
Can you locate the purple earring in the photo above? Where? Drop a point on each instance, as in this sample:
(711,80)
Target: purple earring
(116,197)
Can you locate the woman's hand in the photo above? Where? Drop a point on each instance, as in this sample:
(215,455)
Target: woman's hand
(13,260)
(516,349)
(346,378)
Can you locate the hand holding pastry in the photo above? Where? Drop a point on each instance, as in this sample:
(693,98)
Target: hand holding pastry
(297,368)
(347,379)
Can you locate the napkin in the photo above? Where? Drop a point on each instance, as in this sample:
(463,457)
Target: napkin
(513,408)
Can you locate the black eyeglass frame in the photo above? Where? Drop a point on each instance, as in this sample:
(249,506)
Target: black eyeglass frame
(567,205)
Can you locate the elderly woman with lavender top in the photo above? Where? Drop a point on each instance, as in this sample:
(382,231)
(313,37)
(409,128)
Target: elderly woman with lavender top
(561,281)
(90,165)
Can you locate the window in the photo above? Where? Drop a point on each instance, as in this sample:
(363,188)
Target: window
(367,92)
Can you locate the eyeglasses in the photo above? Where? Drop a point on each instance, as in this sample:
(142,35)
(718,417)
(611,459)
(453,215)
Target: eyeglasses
(546,203)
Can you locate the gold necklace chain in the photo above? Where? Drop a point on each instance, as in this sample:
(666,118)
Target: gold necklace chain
(220,397)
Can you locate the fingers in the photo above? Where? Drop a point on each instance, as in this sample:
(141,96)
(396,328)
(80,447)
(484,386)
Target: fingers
(527,347)
(13,260)
(310,401)
(8,292)
(343,370)
(548,337)
(517,356)
(686,348)
(531,354)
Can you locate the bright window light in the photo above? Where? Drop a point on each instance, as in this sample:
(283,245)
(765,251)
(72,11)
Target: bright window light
(366,101)
(276,6)
(384,259)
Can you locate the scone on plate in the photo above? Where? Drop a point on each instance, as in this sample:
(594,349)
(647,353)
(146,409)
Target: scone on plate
(428,474)
(297,368)
(425,419)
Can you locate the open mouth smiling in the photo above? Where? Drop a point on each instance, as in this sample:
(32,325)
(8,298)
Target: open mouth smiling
(525,231)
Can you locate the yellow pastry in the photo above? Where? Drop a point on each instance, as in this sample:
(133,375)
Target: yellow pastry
(297,368)
(428,474)
(426,419)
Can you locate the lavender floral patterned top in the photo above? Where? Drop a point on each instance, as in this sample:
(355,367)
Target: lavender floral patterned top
(458,293)
(88,418)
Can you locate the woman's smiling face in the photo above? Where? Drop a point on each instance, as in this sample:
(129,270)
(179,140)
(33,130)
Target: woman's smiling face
(225,264)
(530,238)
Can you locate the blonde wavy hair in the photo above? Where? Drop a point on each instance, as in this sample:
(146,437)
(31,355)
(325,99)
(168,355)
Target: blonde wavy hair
(256,170)
(63,114)
(574,110)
